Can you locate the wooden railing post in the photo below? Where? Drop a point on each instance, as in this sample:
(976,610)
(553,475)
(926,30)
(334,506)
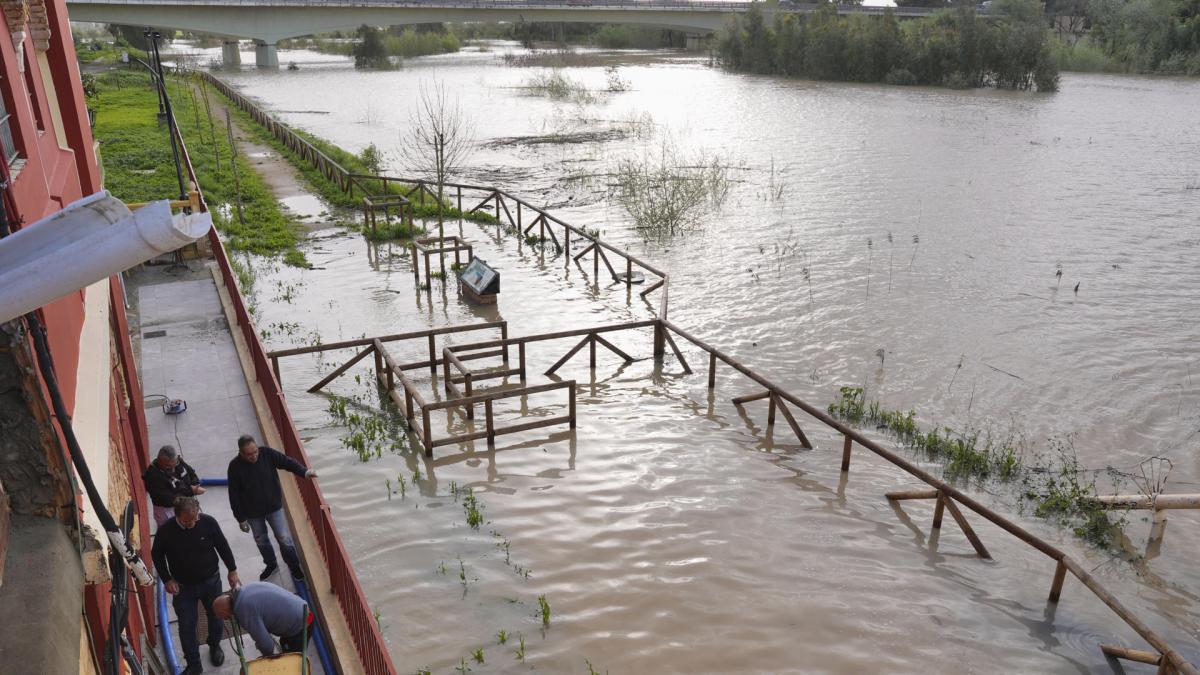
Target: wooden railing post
(504,336)
(426,432)
(491,425)
(378,363)
(521,359)
(432,356)
(771,410)
(712,370)
(660,341)
(467,389)
(571,405)
(1060,575)
(846,453)
(592,350)
(938,510)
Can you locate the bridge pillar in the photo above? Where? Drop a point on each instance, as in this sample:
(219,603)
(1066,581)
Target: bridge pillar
(695,43)
(265,55)
(231,55)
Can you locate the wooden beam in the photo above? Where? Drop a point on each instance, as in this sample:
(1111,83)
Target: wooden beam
(966,527)
(1060,575)
(567,357)
(341,369)
(741,400)
(613,348)
(899,495)
(1138,655)
(678,354)
(787,415)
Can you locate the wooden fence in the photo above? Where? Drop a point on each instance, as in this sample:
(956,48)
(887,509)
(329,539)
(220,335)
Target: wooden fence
(949,498)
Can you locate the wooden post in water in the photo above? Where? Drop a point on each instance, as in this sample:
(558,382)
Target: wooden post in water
(433,357)
(521,358)
(491,425)
(660,341)
(592,350)
(846,453)
(571,404)
(427,432)
(1060,575)
(504,337)
(938,510)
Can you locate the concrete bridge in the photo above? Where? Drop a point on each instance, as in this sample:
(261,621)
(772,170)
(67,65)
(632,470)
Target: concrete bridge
(268,21)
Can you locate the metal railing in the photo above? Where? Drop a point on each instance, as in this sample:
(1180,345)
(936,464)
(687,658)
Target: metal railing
(364,629)
(948,497)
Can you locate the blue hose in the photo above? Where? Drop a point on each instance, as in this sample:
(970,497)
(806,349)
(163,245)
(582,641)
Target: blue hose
(164,628)
(318,639)
(214,482)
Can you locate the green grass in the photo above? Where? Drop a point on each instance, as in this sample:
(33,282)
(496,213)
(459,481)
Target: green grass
(136,155)
(1057,487)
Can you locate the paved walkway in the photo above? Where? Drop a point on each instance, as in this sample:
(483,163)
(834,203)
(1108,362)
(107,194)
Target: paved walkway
(187,352)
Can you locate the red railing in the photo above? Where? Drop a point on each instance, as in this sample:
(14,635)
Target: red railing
(364,630)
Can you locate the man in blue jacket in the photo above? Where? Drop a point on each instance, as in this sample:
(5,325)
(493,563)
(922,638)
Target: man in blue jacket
(265,610)
(256,498)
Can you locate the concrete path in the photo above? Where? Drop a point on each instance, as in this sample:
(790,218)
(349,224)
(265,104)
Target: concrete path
(187,352)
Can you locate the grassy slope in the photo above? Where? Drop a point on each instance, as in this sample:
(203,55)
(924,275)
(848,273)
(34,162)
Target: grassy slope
(138,166)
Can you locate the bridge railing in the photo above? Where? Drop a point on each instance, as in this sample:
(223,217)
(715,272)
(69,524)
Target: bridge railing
(948,497)
(723,6)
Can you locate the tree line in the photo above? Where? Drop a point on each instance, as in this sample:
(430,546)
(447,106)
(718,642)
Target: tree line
(1010,48)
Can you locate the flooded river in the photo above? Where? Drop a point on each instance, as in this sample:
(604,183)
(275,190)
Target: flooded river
(669,533)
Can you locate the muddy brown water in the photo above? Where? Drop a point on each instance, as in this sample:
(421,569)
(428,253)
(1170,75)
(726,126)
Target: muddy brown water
(671,533)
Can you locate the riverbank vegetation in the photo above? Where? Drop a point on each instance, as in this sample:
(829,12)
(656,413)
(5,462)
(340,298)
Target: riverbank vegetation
(665,193)
(955,48)
(135,153)
(382,48)
(1052,483)
(1139,36)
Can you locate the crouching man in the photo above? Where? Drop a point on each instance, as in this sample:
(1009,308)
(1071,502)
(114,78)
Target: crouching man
(265,610)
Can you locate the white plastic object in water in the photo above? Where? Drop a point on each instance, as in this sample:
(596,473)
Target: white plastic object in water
(88,240)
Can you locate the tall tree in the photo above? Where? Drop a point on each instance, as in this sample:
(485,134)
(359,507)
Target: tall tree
(438,143)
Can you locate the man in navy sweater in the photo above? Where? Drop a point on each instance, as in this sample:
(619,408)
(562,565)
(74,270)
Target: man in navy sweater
(256,498)
(185,555)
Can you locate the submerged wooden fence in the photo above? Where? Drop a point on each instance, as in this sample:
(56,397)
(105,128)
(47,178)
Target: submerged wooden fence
(948,497)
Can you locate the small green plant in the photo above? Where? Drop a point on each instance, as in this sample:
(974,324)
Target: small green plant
(416,476)
(376,613)
(591,670)
(424,671)
(520,653)
(454,490)
(544,609)
(501,636)
(462,666)
(462,571)
(473,509)
(401,485)
(441,568)
(388,483)
(478,655)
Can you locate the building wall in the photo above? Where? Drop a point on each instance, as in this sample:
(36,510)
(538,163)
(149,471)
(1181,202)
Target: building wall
(86,329)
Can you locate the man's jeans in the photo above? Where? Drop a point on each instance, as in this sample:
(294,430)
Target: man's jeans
(263,540)
(185,609)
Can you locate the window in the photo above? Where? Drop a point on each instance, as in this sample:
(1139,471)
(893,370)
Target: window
(7,146)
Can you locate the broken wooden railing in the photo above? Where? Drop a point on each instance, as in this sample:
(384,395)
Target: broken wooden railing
(948,497)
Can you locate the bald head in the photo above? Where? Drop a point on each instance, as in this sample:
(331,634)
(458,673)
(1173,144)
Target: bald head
(223,606)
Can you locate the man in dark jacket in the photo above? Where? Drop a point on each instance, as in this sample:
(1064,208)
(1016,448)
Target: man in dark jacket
(256,498)
(168,477)
(185,555)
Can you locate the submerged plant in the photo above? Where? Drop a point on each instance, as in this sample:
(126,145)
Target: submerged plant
(520,653)
(544,609)
(666,194)
(478,655)
(501,636)
(473,509)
